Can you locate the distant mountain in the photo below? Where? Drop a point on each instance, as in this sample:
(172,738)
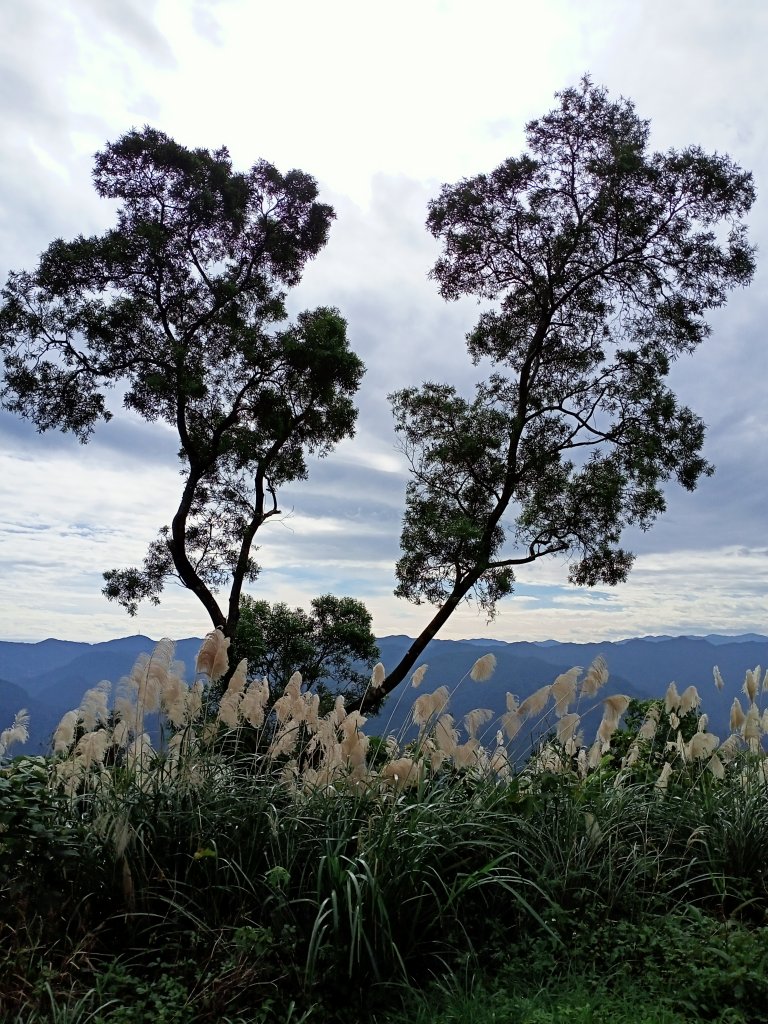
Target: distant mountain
(50,677)
(450,663)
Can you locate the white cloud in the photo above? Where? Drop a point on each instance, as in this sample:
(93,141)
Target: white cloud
(382,104)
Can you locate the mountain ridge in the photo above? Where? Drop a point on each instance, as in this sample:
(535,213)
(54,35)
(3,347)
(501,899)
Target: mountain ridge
(50,676)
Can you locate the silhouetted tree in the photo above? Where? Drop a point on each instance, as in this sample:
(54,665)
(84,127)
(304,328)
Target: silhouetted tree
(181,305)
(601,258)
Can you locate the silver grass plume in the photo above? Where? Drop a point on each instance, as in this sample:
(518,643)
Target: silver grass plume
(689,700)
(483,668)
(474,719)
(596,677)
(418,675)
(564,690)
(17,732)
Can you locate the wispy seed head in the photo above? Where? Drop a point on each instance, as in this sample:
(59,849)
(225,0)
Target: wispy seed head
(483,668)
(418,675)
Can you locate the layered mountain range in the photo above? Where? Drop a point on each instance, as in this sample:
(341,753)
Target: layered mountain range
(50,677)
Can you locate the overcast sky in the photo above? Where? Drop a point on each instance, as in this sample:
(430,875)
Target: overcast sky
(381,103)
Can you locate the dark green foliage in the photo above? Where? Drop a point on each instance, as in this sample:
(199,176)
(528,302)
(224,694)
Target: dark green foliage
(601,259)
(244,899)
(179,305)
(328,645)
(45,849)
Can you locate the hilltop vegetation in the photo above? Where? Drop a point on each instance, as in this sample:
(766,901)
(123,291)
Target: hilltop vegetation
(268,863)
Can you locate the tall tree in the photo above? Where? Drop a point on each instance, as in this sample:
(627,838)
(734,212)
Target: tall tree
(601,259)
(181,304)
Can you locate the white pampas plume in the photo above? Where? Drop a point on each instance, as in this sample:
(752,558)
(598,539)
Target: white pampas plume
(719,683)
(632,755)
(239,677)
(650,723)
(564,690)
(378,676)
(254,701)
(701,744)
(499,763)
(149,676)
(737,715)
(474,719)
(418,675)
(212,659)
(195,701)
(595,754)
(614,708)
(430,704)
(229,705)
(445,736)
(596,677)
(354,743)
(752,683)
(121,734)
(18,731)
(285,740)
(593,830)
(716,766)
(751,728)
(605,730)
(93,707)
(64,736)
(483,668)
(174,696)
(139,752)
(535,703)
(127,711)
(290,704)
(228,710)
(566,727)
(511,723)
(146,680)
(689,700)
(616,705)
(672,698)
(91,747)
(466,755)
(403,772)
(730,748)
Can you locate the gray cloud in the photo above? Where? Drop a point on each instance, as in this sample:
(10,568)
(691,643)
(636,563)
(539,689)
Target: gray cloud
(78,74)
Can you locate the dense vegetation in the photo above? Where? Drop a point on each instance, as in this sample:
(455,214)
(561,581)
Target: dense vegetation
(250,864)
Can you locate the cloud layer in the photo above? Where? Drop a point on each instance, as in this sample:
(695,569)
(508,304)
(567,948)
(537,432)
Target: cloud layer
(381,105)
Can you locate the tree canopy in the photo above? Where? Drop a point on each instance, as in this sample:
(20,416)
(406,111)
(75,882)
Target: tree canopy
(599,259)
(181,306)
(331,645)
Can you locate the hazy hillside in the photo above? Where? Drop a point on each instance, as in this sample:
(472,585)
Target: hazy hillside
(50,677)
